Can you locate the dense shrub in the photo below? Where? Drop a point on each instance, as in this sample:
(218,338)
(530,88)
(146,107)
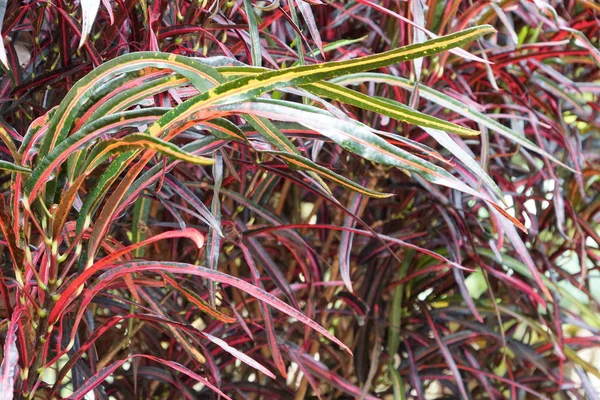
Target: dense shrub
(300,199)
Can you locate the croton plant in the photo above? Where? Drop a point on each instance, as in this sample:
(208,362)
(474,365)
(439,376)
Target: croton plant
(196,204)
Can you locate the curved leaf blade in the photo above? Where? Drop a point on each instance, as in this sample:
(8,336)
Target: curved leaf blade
(450,103)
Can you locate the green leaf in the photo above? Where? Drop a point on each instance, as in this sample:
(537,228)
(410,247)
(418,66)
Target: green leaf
(8,166)
(304,163)
(386,107)
(250,87)
(450,103)
(254,34)
(140,140)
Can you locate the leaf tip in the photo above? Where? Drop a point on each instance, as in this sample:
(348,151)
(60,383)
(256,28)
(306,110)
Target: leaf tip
(487,29)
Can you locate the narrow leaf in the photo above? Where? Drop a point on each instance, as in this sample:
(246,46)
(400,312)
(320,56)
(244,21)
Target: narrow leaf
(8,166)
(89,10)
(9,367)
(450,103)
(140,140)
(239,355)
(305,164)
(254,34)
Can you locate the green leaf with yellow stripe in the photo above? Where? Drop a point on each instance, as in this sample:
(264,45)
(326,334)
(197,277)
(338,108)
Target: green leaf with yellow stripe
(140,140)
(396,110)
(303,163)
(250,87)
(200,75)
(342,94)
(450,103)
(8,166)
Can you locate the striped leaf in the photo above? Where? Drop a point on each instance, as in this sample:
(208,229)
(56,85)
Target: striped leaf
(394,110)
(250,87)
(8,166)
(48,165)
(360,140)
(338,92)
(352,136)
(450,103)
(269,131)
(140,140)
(201,76)
(304,163)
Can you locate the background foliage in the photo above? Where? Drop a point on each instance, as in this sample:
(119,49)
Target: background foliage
(448,300)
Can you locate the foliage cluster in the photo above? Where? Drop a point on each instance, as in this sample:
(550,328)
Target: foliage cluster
(359,199)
